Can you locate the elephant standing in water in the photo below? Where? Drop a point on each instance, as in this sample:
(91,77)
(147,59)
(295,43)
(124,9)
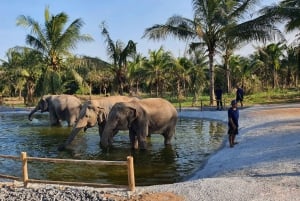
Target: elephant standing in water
(94,111)
(142,118)
(60,108)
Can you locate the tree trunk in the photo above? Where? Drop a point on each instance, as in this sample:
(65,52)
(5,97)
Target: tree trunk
(211,77)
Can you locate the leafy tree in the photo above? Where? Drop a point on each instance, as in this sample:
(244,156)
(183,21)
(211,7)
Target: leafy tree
(53,41)
(271,56)
(287,11)
(23,68)
(213,21)
(197,73)
(119,54)
(136,72)
(156,69)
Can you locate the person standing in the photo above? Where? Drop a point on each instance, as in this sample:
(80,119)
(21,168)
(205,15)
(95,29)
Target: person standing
(240,95)
(233,123)
(219,93)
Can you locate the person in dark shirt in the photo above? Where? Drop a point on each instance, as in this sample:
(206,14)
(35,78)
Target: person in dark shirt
(218,94)
(233,123)
(240,95)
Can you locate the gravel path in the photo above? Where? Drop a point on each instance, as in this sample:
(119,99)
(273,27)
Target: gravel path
(265,165)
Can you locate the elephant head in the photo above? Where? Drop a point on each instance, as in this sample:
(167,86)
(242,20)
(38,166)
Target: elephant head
(90,113)
(141,118)
(42,105)
(120,117)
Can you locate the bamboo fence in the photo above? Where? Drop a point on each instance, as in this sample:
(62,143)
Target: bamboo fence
(25,178)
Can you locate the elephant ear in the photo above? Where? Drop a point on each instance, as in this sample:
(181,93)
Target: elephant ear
(44,105)
(132,114)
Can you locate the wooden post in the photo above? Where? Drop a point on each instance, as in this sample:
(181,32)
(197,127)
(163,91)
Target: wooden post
(131,179)
(24,168)
(201,105)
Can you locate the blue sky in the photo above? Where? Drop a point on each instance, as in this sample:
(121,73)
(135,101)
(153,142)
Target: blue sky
(126,20)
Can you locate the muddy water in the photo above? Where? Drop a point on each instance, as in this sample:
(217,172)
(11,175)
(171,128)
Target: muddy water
(195,140)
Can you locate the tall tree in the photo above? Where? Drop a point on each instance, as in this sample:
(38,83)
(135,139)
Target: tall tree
(272,54)
(156,68)
(136,72)
(119,54)
(213,21)
(287,11)
(54,40)
(24,67)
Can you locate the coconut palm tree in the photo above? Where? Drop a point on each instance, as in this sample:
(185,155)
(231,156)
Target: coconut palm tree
(156,69)
(53,40)
(23,69)
(213,21)
(287,11)
(272,55)
(136,72)
(119,54)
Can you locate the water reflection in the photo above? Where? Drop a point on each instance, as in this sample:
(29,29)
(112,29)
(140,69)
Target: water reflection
(195,140)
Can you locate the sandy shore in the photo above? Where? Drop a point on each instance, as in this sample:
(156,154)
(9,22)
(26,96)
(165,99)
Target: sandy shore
(265,165)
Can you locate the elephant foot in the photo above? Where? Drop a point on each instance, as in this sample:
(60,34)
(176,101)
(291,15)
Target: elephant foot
(143,145)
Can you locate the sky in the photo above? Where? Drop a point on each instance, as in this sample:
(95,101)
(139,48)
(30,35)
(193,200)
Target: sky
(125,19)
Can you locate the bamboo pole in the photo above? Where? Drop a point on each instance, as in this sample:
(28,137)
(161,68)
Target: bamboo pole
(10,157)
(86,162)
(24,168)
(131,179)
(70,183)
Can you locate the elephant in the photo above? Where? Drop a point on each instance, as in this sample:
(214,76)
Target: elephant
(141,118)
(92,112)
(60,107)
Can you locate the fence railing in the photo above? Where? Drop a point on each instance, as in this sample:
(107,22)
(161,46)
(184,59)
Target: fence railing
(25,178)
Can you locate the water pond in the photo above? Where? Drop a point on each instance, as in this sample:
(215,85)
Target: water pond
(195,141)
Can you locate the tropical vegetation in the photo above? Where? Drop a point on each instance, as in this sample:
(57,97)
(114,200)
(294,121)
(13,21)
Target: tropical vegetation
(216,31)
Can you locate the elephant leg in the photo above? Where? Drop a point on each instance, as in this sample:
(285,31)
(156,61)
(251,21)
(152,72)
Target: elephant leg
(133,140)
(54,121)
(168,135)
(101,128)
(142,142)
(72,121)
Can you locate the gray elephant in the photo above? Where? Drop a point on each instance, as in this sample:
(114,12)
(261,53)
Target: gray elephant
(93,112)
(142,118)
(60,108)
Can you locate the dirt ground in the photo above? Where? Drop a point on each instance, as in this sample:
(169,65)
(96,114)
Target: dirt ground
(165,196)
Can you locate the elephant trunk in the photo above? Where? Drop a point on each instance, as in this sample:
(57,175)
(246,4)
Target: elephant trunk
(74,132)
(32,112)
(107,138)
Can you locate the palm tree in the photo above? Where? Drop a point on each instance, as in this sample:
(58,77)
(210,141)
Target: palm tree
(287,11)
(289,62)
(197,73)
(119,55)
(272,55)
(24,68)
(136,72)
(53,40)
(156,68)
(213,21)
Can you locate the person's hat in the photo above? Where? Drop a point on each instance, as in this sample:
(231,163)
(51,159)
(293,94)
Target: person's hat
(233,102)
